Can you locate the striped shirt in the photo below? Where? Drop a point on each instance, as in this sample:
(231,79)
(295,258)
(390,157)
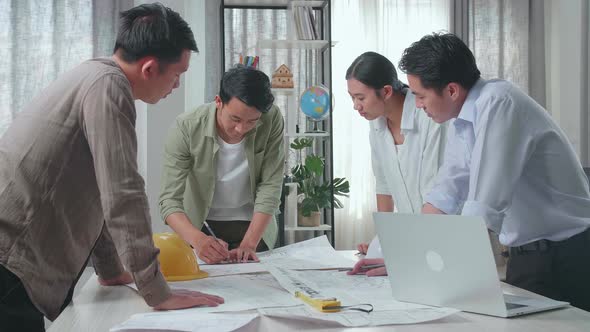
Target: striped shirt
(69,183)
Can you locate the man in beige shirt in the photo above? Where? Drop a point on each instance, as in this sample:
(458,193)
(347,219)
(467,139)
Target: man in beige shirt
(69,184)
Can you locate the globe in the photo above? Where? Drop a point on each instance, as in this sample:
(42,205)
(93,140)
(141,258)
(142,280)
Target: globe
(315,102)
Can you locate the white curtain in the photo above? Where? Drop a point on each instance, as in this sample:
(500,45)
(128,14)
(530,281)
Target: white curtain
(386,27)
(568,75)
(507,39)
(40,39)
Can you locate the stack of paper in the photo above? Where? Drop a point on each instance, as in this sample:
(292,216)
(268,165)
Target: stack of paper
(316,253)
(262,292)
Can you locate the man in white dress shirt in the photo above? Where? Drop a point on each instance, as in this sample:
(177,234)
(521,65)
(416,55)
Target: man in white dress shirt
(507,161)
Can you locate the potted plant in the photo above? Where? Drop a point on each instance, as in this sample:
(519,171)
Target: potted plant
(314,191)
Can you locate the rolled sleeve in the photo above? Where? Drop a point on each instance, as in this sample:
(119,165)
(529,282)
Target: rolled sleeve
(451,184)
(432,157)
(493,218)
(175,169)
(109,127)
(444,202)
(268,190)
(151,285)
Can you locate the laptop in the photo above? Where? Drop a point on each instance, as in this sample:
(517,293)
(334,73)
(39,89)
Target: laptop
(447,261)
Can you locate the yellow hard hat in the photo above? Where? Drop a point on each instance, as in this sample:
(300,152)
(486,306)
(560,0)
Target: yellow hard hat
(177,259)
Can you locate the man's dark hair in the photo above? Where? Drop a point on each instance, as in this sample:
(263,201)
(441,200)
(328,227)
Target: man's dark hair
(374,70)
(439,59)
(249,85)
(153,30)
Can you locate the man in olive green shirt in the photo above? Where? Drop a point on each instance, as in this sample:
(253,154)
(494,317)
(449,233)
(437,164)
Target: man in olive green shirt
(223,164)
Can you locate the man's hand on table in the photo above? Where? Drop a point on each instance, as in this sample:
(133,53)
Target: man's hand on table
(183,298)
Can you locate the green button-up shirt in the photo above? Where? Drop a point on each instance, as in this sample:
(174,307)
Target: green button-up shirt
(190,159)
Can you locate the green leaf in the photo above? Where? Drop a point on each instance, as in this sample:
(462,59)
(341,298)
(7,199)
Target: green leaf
(317,192)
(315,164)
(341,187)
(301,143)
(308,206)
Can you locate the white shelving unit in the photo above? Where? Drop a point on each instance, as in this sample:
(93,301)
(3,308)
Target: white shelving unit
(324,228)
(294,44)
(293,128)
(283,91)
(257,3)
(308,135)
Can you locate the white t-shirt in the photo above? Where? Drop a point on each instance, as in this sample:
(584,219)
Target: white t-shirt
(232,199)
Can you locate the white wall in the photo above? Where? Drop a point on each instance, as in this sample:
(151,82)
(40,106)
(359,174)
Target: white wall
(566,30)
(153,121)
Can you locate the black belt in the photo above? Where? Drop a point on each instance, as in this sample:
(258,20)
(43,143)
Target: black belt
(545,245)
(539,245)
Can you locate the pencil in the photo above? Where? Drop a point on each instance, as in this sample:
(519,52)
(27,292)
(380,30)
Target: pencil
(364,267)
(210,230)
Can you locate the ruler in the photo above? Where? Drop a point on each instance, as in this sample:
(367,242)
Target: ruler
(303,291)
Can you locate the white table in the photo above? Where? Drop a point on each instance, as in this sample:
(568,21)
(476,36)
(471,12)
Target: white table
(98,308)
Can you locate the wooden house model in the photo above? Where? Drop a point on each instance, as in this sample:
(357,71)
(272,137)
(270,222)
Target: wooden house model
(282,77)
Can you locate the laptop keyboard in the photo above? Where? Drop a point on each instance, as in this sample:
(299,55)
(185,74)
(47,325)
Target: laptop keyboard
(508,300)
(510,306)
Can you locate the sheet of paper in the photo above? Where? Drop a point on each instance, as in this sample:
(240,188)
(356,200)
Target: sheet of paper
(241,292)
(216,270)
(316,253)
(180,320)
(354,289)
(317,242)
(357,319)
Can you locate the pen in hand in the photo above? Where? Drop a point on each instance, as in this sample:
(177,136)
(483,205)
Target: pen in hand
(211,232)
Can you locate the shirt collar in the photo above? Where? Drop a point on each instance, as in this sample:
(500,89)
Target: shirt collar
(408,118)
(210,120)
(408,122)
(467,112)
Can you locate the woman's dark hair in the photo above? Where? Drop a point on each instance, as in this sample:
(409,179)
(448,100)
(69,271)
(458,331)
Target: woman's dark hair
(153,30)
(439,59)
(375,70)
(249,85)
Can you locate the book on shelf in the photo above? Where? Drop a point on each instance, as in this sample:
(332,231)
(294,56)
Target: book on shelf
(304,23)
(250,60)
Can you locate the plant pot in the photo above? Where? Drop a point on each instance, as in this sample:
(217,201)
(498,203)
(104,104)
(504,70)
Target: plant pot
(312,221)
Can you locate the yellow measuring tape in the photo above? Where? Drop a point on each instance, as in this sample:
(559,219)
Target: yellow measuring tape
(295,285)
(321,304)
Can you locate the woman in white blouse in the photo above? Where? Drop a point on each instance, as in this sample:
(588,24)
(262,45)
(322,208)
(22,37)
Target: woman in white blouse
(406,145)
